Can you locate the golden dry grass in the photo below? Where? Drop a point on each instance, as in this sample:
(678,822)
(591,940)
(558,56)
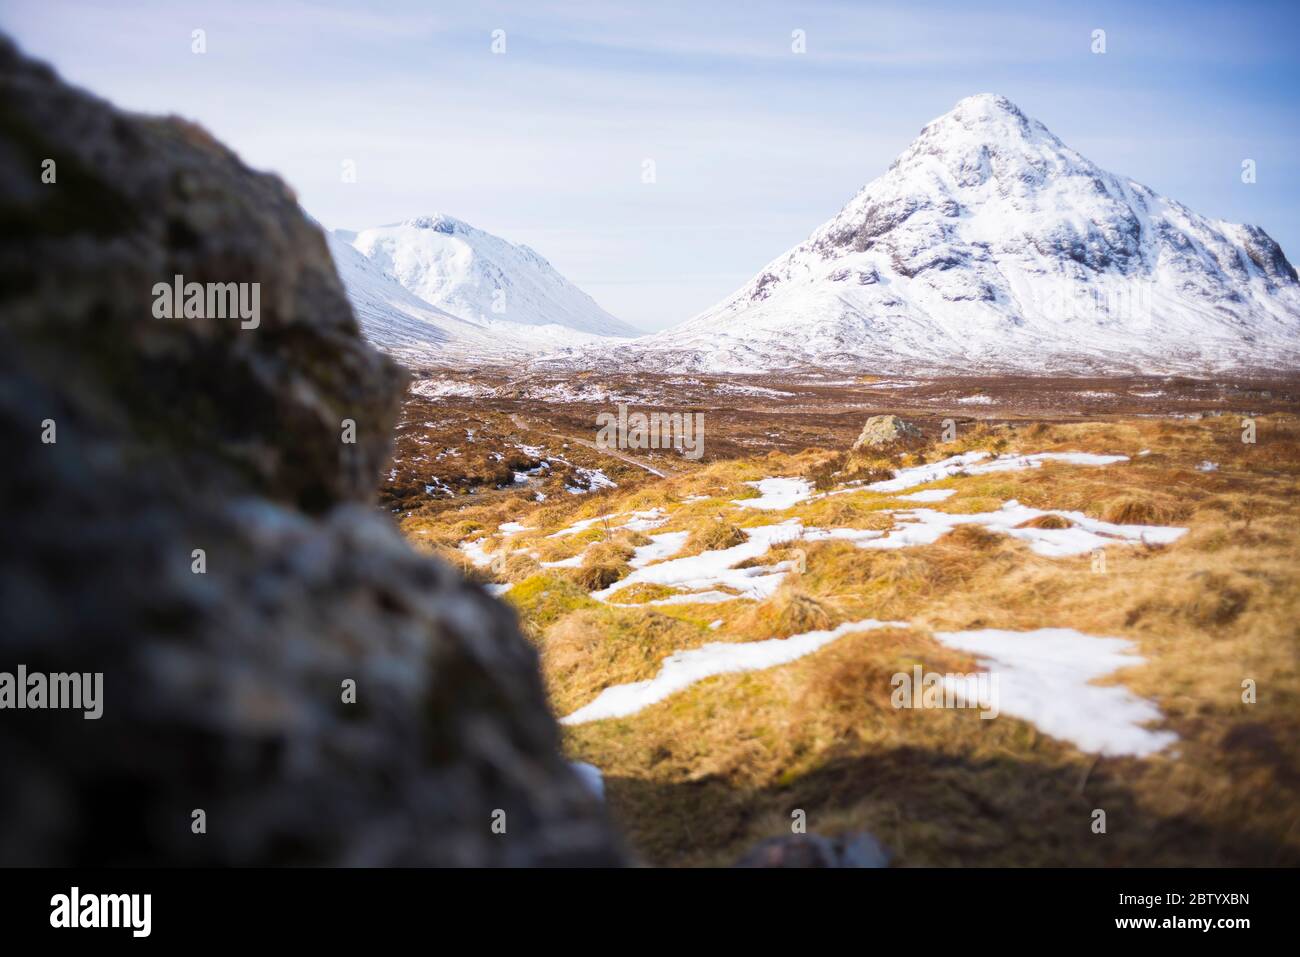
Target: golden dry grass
(700,776)
(710,534)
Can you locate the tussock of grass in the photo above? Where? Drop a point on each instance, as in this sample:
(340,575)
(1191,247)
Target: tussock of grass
(791,611)
(849,466)
(1203,598)
(971,504)
(590,649)
(643,592)
(711,534)
(519,566)
(546,597)
(980,437)
(1143,510)
(859,510)
(972,537)
(1047,521)
(603,564)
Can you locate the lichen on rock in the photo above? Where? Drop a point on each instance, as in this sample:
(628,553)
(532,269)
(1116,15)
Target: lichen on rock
(886,430)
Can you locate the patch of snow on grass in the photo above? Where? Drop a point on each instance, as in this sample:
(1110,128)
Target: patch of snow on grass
(582,525)
(845,534)
(661,546)
(639,522)
(974,463)
(595,479)
(439,486)
(687,598)
(475,553)
(574,561)
(1045,677)
(644,521)
(929,495)
(924,526)
(745,389)
(442,388)
(684,668)
(775,494)
(714,568)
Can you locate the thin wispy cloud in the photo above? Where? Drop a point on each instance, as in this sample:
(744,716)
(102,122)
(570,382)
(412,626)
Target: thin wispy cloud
(753,144)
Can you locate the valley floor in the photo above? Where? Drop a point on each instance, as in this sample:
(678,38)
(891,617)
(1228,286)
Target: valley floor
(723,637)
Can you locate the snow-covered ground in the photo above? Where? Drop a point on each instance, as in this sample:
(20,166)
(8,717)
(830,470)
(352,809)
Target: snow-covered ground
(475,552)
(979,463)
(1046,677)
(776,494)
(703,577)
(595,479)
(714,569)
(684,668)
(929,495)
(661,546)
(923,526)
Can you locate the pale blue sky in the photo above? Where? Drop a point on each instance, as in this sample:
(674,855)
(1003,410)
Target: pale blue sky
(754,145)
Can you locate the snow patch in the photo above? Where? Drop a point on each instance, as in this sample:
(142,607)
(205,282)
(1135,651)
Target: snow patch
(1045,677)
(712,569)
(929,495)
(475,553)
(661,546)
(973,463)
(682,669)
(777,493)
(924,526)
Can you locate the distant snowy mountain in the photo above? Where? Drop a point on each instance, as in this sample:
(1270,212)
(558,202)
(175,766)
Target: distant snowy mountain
(482,278)
(991,245)
(436,290)
(398,321)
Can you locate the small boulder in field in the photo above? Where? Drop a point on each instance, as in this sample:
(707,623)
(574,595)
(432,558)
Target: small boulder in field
(882,430)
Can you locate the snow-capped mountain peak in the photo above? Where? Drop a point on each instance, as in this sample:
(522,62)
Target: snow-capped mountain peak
(990,244)
(482,278)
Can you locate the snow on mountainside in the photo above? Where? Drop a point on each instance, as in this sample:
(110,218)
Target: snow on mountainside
(397,321)
(989,244)
(482,278)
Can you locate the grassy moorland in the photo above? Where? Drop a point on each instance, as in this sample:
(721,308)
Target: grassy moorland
(699,776)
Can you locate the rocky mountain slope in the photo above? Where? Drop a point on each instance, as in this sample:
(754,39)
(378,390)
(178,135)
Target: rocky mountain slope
(991,245)
(185,514)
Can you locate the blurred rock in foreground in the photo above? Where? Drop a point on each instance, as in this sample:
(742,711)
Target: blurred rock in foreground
(814,850)
(223,691)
